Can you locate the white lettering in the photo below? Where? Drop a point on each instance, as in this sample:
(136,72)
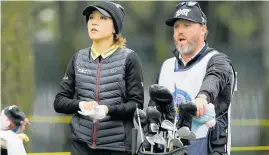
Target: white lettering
(84,71)
(182,12)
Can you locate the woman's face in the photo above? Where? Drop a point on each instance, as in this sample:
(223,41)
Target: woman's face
(99,26)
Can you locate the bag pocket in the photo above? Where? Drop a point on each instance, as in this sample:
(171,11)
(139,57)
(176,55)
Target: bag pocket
(218,136)
(198,147)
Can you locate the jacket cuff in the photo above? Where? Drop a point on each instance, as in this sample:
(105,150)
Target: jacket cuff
(111,109)
(76,104)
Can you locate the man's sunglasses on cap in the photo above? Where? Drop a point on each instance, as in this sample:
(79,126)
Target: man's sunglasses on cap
(192,4)
(180,4)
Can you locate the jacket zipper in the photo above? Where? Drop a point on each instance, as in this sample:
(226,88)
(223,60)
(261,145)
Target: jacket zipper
(97,100)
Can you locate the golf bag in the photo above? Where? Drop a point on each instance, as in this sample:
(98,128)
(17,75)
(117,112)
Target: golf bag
(150,125)
(177,151)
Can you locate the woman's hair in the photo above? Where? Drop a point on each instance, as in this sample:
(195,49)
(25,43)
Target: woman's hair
(119,40)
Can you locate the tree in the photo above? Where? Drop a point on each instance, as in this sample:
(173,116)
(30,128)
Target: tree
(264,13)
(69,27)
(17,62)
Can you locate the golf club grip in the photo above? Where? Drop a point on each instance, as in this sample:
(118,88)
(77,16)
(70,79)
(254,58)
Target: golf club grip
(134,140)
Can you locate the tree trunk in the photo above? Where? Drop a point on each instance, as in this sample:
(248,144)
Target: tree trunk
(66,31)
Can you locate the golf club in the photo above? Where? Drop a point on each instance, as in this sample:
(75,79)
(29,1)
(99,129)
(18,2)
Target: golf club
(139,124)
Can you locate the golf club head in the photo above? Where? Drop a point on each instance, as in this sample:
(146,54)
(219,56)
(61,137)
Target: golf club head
(185,133)
(170,134)
(176,142)
(153,115)
(167,125)
(192,136)
(150,139)
(154,128)
(158,139)
(143,117)
(160,95)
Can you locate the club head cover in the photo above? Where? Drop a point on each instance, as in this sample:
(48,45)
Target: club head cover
(169,113)
(146,129)
(185,142)
(187,110)
(153,115)
(143,117)
(160,95)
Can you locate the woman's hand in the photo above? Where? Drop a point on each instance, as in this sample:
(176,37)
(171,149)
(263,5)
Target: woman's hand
(84,105)
(104,107)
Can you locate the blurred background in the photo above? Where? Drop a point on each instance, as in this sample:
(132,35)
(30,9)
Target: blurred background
(39,38)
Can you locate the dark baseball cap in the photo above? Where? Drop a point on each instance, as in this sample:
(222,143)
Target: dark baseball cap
(14,114)
(109,9)
(91,8)
(190,11)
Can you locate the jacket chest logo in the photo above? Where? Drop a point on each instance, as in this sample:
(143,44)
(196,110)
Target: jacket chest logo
(113,70)
(84,71)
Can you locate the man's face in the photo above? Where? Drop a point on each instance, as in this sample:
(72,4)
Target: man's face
(12,126)
(187,35)
(19,129)
(100,26)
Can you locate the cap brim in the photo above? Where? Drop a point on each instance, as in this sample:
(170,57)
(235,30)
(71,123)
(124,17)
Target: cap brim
(171,21)
(91,8)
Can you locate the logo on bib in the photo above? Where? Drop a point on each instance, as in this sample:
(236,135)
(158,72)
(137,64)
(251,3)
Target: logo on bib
(180,97)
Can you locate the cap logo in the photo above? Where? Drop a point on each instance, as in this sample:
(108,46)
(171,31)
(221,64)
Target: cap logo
(184,12)
(117,5)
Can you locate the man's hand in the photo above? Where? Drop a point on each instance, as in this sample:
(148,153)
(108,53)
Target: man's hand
(201,104)
(23,137)
(83,105)
(23,124)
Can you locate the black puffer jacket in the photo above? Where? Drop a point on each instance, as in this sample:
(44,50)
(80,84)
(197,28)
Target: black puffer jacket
(115,81)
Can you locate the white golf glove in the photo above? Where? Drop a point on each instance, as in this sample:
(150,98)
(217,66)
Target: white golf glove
(95,113)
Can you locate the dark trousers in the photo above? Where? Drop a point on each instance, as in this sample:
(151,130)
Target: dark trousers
(79,148)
